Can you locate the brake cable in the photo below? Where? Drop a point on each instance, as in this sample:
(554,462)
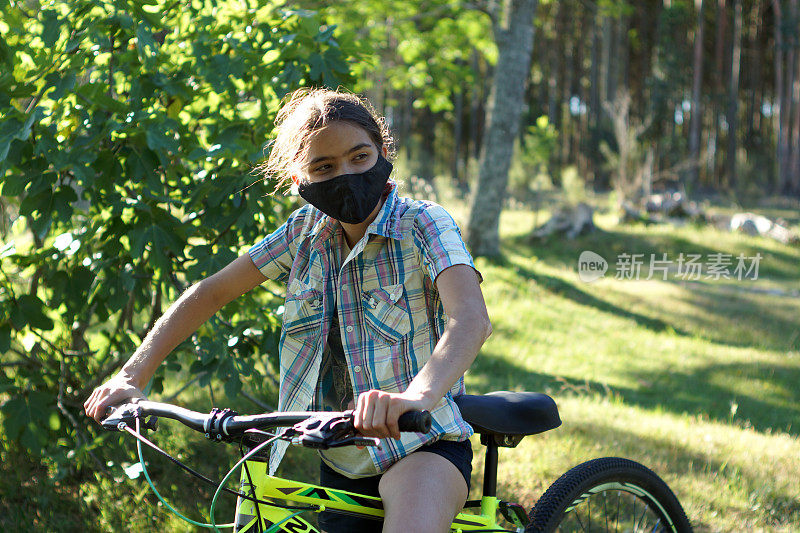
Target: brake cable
(233,469)
(141,438)
(158,495)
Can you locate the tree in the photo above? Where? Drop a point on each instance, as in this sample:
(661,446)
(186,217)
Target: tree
(127,140)
(696,118)
(733,93)
(423,61)
(514,37)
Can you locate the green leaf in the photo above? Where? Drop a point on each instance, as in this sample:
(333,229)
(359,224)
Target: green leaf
(23,417)
(60,83)
(8,133)
(317,66)
(13,184)
(6,54)
(159,138)
(5,338)
(230,136)
(6,383)
(145,43)
(52,27)
(32,309)
(232,387)
(62,202)
(14,417)
(36,207)
(325,35)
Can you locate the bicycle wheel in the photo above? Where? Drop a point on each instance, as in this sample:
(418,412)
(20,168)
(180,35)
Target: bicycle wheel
(608,494)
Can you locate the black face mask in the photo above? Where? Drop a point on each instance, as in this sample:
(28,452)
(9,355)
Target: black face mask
(349,198)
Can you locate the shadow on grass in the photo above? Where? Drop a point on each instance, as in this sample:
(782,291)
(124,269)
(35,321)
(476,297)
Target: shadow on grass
(562,252)
(561,287)
(724,317)
(714,391)
(746,320)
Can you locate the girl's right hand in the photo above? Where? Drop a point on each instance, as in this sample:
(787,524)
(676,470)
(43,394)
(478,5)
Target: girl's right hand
(113,392)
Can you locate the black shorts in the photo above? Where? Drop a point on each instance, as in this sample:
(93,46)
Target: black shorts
(458,453)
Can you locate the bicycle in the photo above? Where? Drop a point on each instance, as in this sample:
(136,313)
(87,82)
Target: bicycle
(594,495)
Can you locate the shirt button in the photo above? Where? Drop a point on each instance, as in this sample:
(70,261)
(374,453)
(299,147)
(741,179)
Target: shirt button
(349,329)
(357,368)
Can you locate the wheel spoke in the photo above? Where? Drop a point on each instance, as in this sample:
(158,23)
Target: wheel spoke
(658,522)
(578,518)
(589,512)
(644,514)
(632,513)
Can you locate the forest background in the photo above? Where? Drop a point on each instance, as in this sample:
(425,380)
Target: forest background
(129,130)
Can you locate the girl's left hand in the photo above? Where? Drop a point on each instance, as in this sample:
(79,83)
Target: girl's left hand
(376,412)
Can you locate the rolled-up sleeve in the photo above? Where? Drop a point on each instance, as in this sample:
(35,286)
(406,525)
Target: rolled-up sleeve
(273,255)
(440,243)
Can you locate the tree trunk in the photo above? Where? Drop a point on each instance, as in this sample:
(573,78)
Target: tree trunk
(779,95)
(581,89)
(606,94)
(405,98)
(623,50)
(458,120)
(785,153)
(600,175)
(565,56)
(733,93)
(515,46)
(794,147)
(426,157)
(719,85)
(752,87)
(475,118)
(696,109)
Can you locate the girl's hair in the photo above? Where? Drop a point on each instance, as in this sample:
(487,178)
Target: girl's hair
(308,110)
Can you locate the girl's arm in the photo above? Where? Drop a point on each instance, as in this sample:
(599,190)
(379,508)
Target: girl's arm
(467,328)
(196,305)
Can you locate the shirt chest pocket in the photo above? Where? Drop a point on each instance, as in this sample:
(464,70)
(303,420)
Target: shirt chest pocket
(302,315)
(386,312)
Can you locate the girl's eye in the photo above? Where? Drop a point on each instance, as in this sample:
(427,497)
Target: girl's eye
(322,168)
(362,156)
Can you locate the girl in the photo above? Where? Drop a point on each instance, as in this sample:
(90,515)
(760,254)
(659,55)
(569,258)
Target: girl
(383,314)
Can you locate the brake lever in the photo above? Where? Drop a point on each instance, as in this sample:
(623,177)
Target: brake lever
(322,430)
(126,415)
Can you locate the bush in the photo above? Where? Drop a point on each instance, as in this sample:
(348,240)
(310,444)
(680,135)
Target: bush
(128,131)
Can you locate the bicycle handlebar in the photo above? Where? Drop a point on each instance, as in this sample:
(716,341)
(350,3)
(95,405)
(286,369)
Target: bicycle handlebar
(231,424)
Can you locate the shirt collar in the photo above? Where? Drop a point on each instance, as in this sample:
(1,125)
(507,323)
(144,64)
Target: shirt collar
(385,224)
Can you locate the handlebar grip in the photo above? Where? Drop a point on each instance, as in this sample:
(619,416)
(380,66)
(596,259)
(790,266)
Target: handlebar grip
(418,421)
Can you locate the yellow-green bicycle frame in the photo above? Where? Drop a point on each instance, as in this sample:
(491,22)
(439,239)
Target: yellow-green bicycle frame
(279,519)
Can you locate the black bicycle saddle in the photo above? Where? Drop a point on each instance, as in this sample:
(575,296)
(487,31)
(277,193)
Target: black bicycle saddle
(509,416)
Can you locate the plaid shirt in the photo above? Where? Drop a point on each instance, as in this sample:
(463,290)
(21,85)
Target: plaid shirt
(389,310)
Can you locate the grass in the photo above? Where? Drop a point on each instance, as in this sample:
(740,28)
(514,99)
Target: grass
(695,379)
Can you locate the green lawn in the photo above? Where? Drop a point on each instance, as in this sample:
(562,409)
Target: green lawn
(696,379)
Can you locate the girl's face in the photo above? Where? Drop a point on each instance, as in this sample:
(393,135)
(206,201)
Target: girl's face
(338,148)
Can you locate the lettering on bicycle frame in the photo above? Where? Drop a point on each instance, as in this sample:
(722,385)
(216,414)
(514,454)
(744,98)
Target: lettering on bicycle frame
(294,525)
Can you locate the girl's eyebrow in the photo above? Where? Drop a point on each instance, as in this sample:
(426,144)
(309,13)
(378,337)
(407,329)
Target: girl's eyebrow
(350,151)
